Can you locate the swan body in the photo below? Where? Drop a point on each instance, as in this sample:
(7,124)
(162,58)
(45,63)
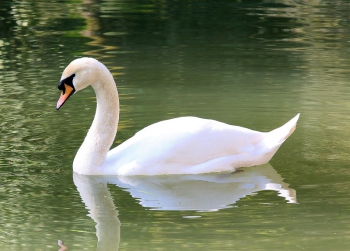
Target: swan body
(185,145)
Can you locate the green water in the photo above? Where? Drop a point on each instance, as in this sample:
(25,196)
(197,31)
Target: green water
(250,63)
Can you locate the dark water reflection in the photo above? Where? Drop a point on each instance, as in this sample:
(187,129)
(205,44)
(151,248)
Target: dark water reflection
(250,63)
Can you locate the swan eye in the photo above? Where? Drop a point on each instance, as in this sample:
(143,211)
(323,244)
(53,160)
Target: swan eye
(67,88)
(67,81)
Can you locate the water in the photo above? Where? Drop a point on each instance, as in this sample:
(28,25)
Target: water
(249,63)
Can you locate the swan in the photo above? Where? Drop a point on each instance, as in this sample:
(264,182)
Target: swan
(184,145)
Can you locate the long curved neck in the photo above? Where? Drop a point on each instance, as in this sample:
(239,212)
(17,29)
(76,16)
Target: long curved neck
(102,132)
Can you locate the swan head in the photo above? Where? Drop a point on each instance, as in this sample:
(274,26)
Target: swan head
(79,74)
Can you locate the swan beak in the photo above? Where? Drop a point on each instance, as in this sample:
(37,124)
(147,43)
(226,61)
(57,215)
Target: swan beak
(65,94)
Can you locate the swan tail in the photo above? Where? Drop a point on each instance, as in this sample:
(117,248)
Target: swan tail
(278,136)
(274,139)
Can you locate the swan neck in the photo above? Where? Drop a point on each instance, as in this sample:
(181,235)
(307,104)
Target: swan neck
(101,134)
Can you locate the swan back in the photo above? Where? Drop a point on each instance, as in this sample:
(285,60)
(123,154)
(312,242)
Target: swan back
(190,145)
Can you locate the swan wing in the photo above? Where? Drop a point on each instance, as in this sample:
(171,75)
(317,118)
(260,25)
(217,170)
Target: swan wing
(172,146)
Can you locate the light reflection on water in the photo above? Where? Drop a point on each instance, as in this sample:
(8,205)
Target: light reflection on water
(251,64)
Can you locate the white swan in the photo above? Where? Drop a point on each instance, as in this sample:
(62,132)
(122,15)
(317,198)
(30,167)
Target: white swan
(186,145)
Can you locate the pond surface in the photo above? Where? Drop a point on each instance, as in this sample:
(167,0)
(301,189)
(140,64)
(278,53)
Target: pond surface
(250,63)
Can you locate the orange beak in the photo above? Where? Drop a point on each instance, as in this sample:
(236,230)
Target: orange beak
(65,94)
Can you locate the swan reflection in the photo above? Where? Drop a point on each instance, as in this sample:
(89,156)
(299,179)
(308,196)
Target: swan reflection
(97,198)
(207,192)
